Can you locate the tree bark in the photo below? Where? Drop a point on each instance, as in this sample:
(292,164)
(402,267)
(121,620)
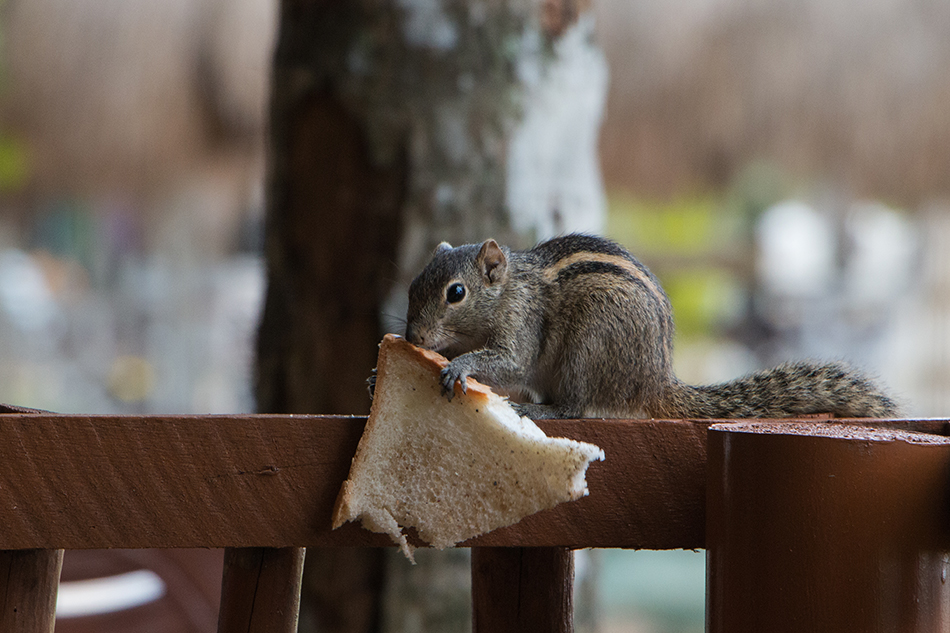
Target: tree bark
(394,126)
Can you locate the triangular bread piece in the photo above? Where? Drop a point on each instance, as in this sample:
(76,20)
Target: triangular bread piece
(451,469)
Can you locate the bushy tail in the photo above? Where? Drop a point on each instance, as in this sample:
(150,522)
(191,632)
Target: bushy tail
(786,391)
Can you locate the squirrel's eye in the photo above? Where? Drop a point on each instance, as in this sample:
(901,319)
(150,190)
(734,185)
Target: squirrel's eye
(455,293)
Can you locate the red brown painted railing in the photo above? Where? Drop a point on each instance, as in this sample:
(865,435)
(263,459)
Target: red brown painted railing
(820,527)
(88,482)
(269,483)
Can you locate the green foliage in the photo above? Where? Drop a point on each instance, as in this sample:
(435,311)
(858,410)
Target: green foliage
(14,164)
(688,225)
(14,156)
(703,300)
(685,242)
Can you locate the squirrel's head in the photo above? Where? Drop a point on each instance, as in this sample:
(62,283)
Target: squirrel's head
(452,301)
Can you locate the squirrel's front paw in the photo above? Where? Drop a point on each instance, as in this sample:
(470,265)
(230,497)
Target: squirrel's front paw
(454,373)
(371,385)
(520,408)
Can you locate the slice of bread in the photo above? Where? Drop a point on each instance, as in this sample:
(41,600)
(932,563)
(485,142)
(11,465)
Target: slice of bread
(451,469)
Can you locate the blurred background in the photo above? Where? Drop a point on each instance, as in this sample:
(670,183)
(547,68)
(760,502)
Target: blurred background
(783,167)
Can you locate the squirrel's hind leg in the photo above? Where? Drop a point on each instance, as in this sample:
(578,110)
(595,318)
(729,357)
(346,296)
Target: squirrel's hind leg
(546,411)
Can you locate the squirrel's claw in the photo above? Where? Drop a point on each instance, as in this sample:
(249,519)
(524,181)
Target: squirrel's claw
(371,385)
(449,377)
(448,383)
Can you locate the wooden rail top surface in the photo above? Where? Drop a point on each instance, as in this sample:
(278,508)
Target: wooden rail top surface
(78,482)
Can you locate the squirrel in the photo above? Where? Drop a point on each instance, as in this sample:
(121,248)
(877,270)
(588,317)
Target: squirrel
(583,329)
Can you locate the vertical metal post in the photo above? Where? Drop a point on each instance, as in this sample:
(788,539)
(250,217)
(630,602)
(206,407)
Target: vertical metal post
(827,527)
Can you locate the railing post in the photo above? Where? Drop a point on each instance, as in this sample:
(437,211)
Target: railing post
(827,527)
(522,590)
(260,591)
(29,582)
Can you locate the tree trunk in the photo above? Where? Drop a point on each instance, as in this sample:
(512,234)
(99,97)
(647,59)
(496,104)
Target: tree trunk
(396,125)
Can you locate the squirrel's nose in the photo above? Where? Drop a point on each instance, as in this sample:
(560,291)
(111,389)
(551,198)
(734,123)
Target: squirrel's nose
(412,334)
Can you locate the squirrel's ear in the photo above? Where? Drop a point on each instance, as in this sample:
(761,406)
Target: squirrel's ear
(492,262)
(443,246)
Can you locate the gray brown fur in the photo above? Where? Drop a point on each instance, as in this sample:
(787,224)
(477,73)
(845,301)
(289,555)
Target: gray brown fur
(581,327)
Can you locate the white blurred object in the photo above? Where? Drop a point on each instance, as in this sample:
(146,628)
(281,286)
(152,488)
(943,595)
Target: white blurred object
(96,596)
(883,250)
(25,294)
(428,25)
(918,348)
(796,250)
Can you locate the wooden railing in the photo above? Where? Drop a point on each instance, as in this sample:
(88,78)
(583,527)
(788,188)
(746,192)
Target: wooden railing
(263,487)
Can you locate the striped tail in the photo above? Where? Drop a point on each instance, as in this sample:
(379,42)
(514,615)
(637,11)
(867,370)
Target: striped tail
(789,390)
